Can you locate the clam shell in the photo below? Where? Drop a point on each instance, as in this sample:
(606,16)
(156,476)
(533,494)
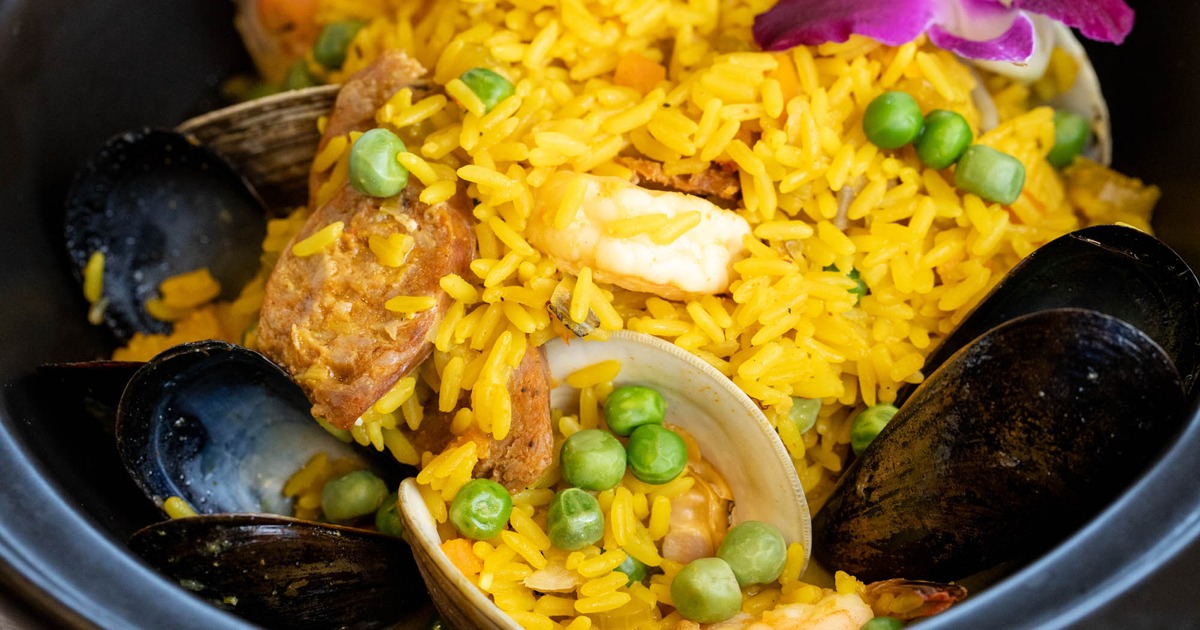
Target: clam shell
(732,432)
(1084,98)
(461,604)
(271,140)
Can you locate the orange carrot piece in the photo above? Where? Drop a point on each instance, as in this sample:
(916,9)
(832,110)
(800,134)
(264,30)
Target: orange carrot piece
(288,15)
(785,73)
(460,553)
(639,73)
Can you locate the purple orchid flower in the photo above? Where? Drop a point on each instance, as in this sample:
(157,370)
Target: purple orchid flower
(993,30)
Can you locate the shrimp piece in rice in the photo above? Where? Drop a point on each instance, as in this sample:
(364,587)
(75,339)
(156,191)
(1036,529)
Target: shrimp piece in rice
(623,233)
(700,516)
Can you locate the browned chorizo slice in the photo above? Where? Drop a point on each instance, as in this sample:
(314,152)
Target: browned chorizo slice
(713,182)
(323,315)
(518,460)
(361,96)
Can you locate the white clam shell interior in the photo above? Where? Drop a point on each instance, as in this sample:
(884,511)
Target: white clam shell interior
(732,432)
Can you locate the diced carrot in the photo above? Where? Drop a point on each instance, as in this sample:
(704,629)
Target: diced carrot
(288,15)
(785,73)
(639,73)
(460,553)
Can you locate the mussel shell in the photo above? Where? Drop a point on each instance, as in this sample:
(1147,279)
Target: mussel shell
(1112,269)
(90,388)
(271,140)
(1015,441)
(157,204)
(221,427)
(287,573)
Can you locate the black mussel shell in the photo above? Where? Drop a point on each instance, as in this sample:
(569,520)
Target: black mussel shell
(157,204)
(1112,269)
(90,388)
(288,573)
(221,427)
(1018,439)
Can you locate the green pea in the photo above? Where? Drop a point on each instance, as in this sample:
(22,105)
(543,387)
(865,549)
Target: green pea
(574,520)
(374,170)
(630,406)
(883,623)
(490,87)
(804,412)
(656,453)
(299,77)
(633,568)
(387,518)
(480,509)
(352,495)
(1071,133)
(943,139)
(706,591)
(992,175)
(333,42)
(592,459)
(755,551)
(892,120)
(867,425)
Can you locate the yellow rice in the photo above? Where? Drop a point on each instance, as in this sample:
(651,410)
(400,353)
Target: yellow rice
(789,121)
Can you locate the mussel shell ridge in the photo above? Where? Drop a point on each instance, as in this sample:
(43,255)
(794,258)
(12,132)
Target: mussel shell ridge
(219,426)
(1013,443)
(288,573)
(157,204)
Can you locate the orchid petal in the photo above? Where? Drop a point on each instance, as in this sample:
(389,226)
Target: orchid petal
(1102,20)
(794,22)
(976,20)
(1015,45)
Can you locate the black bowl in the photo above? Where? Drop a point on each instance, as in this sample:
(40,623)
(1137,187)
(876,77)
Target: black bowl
(73,73)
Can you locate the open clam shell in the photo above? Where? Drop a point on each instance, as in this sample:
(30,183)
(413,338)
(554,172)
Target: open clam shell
(732,432)
(271,140)
(1084,97)
(460,603)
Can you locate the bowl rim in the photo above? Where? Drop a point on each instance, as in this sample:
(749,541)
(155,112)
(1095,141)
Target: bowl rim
(76,573)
